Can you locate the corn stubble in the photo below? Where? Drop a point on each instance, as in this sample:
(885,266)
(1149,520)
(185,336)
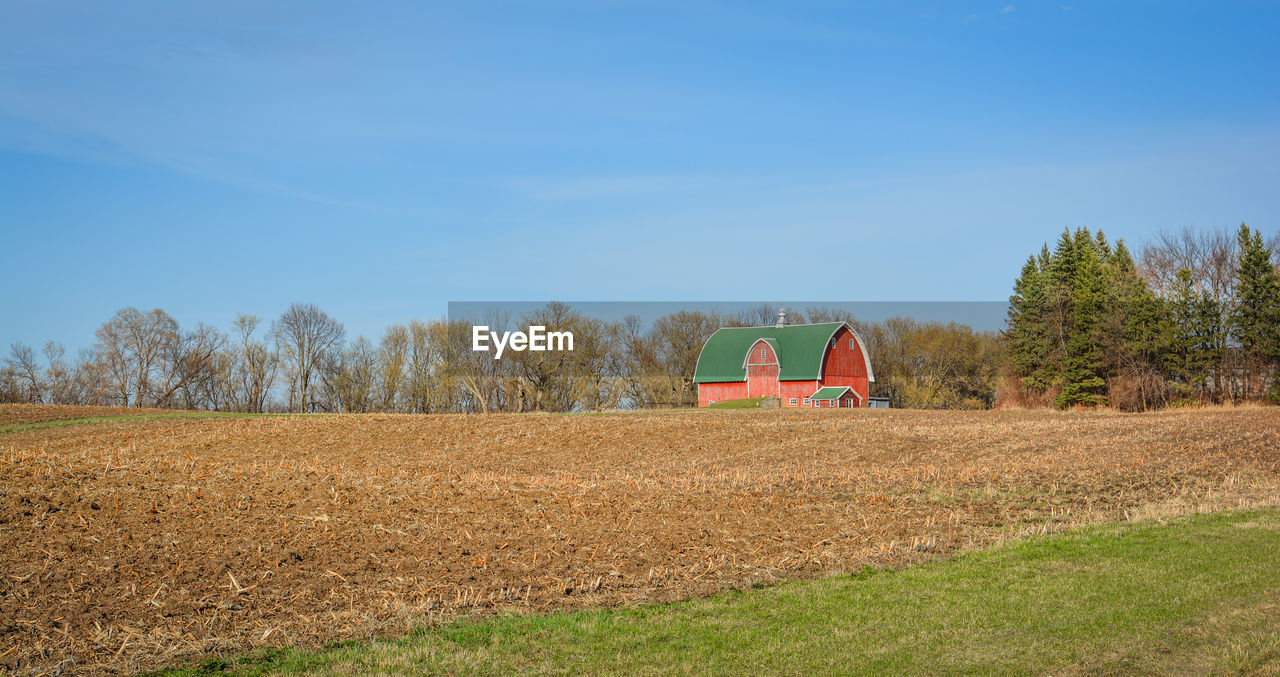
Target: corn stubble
(131,545)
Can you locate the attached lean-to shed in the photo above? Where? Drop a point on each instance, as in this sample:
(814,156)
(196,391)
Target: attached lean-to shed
(835,396)
(796,363)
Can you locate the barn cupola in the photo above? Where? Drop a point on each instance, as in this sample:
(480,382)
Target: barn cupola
(782,318)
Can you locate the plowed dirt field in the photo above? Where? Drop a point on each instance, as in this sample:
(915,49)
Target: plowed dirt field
(130,545)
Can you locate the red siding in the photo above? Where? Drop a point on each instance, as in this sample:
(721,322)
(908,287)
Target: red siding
(845,402)
(720,392)
(762,371)
(735,391)
(796,389)
(844,365)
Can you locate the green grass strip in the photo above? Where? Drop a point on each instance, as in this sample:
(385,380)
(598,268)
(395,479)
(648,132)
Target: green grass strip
(748,403)
(1198,595)
(60,422)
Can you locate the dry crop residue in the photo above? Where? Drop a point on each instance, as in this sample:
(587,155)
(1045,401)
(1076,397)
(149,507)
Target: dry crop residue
(128,545)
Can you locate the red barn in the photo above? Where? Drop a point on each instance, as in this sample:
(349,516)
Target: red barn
(806,365)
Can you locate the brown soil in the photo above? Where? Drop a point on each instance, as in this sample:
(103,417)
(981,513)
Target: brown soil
(130,545)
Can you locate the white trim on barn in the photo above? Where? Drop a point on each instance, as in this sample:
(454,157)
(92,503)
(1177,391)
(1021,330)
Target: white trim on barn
(746,361)
(704,348)
(866,357)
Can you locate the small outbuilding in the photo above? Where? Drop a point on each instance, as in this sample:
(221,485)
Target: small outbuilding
(804,365)
(835,396)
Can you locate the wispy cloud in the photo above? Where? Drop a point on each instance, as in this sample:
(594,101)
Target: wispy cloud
(58,130)
(1008,9)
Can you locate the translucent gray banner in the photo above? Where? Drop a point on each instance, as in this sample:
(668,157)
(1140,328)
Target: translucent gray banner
(979,315)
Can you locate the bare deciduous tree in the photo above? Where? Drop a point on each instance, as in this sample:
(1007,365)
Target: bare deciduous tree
(188,367)
(304,335)
(22,360)
(423,377)
(63,386)
(393,355)
(477,377)
(1210,257)
(256,366)
(679,338)
(132,344)
(349,378)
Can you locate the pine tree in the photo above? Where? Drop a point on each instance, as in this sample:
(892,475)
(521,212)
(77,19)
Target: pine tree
(1082,373)
(1256,320)
(1133,335)
(1104,248)
(1026,328)
(1060,276)
(1194,317)
(1143,314)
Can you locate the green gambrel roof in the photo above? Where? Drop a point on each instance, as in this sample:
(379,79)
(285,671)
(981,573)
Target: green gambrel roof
(799,348)
(829,393)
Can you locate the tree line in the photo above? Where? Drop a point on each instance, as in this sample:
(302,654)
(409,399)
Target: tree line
(303,362)
(1195,319)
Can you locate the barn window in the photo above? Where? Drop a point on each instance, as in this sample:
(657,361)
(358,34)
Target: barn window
(762,352)
(852,346)
(833,343)
(806,400)
(793,401)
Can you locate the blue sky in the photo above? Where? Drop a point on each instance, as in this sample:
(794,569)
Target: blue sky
(382,159)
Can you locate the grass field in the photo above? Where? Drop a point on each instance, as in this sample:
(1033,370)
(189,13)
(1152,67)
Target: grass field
(1199,595)
(749,403)
(115,418)
(133,544)
(23,414)
(19,417)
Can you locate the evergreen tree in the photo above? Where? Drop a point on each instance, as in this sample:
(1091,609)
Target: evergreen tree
(1085,328)
(1082,376)
(1134,335)
(1256,320)
(1140,309)
(1060,277)
(1104,248)
(1193,326)
(1026,329)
